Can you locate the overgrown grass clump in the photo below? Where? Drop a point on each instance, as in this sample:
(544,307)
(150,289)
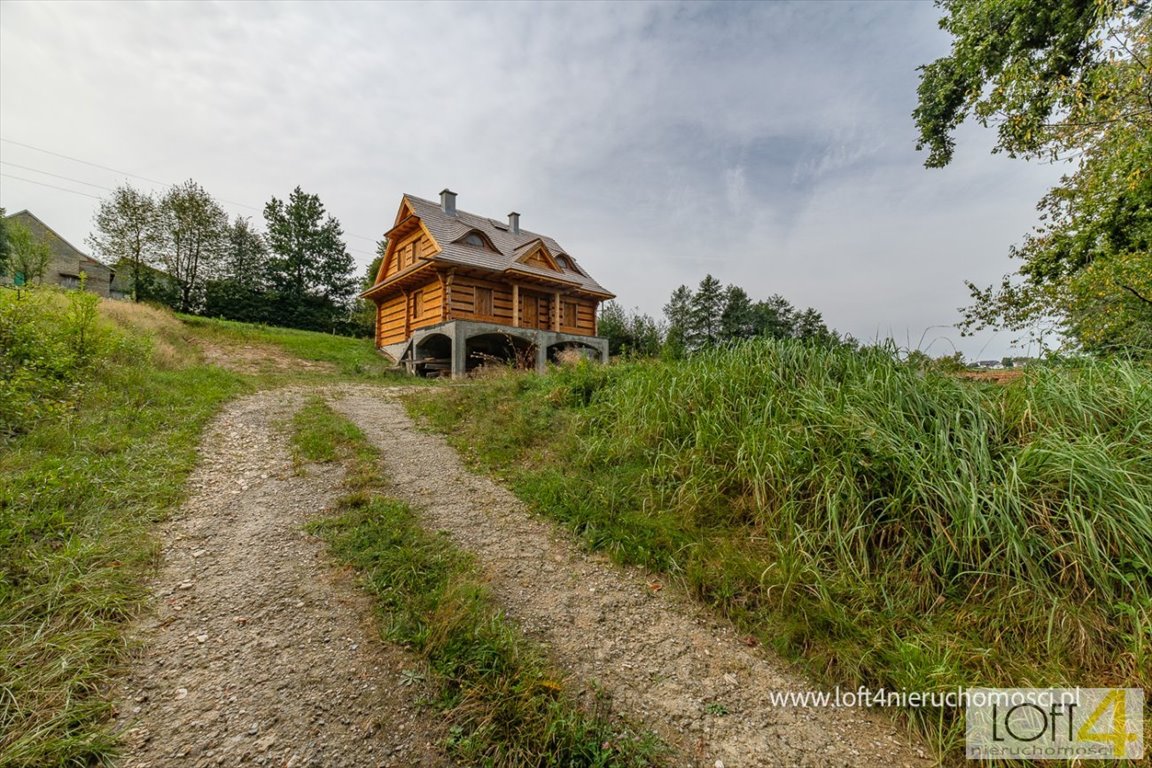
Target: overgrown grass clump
(890,526)
(99,433)
(506,705)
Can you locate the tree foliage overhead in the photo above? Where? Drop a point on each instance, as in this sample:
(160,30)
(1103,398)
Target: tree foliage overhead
(1016,64)
(1072,81)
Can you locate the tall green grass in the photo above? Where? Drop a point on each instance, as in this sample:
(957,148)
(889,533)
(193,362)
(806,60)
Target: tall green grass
(96,453)
(889,526)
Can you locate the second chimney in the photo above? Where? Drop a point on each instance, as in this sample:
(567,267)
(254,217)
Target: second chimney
(448,201)
(514,222)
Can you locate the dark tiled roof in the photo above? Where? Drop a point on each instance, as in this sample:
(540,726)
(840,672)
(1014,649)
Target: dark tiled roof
(447,230)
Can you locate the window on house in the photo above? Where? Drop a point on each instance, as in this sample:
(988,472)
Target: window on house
(474,239)
(562,262)
(570,314)
(484,302)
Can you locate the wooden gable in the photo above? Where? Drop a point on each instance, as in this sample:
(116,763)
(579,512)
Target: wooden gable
(408,241)
(537,255)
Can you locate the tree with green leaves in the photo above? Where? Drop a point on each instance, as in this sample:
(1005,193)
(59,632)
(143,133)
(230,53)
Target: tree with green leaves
(363,317)
(374,266)
(245,259)
(127,234)
(308,252)
(707,310)
(678,314)
(28,255)
(775,317)
(714,314)
(738,317)
(3,243)
(1060,81)
(194,230)
(629,333)
(239,291)
(809,326)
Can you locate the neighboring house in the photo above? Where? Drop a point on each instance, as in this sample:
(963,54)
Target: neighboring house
(455,290)
(155,284)
(68,262)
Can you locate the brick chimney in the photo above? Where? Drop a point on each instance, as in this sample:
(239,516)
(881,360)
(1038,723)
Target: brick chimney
(448,201)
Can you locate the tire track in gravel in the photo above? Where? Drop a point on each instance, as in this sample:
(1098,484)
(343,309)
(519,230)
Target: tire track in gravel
(662,659)
(260,651)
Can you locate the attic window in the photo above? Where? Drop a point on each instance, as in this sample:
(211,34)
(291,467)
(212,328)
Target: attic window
(563,263)
(476,239)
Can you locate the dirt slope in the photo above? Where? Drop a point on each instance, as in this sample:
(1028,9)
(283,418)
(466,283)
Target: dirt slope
(662,660)
(260,652)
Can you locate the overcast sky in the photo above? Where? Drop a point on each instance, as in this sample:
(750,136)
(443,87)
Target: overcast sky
(768,144)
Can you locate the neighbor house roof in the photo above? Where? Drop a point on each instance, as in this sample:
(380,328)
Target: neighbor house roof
(449,230)
(59,245)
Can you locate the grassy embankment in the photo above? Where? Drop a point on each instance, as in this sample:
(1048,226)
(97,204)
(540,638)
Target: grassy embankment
(886,526)
(506,704)
(349,357)
(101,407)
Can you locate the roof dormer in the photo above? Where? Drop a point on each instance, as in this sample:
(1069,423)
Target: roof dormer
(535,254)
(476,239)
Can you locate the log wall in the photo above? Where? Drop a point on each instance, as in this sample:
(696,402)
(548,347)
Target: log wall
(397,317)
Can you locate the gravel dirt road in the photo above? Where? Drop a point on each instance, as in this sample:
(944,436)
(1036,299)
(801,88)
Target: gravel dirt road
(261,651)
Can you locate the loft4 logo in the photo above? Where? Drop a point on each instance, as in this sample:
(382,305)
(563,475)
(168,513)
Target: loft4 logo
(1054,723)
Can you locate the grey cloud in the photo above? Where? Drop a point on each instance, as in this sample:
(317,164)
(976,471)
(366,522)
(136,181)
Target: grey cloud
(768,143)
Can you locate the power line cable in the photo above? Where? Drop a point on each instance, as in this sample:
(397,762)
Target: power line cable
(85,162)
(142,178)
(56,175)
(51,186)
(94,197)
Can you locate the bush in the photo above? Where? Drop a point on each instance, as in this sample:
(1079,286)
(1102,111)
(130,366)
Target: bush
(49,341)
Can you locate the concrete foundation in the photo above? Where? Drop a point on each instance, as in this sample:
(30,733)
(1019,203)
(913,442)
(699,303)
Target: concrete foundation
(458,346)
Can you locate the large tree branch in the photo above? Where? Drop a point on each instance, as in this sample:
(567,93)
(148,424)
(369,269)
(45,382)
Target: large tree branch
(1134,292)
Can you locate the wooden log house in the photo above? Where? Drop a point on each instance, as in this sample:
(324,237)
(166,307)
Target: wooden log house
(455,290)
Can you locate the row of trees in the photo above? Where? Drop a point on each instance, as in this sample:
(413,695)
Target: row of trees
(181,249)
(710,315)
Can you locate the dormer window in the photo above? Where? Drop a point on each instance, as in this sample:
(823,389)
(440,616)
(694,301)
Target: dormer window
(477,240)
(563,263)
